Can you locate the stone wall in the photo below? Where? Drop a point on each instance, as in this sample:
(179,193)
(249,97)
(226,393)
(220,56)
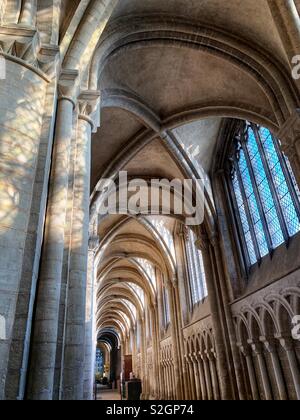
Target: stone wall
(22,99)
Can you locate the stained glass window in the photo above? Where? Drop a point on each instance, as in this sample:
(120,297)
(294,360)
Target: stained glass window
(166,303)
(265,191)
(149,270)
(197,278)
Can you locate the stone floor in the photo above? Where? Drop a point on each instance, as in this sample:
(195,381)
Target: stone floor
(108,395)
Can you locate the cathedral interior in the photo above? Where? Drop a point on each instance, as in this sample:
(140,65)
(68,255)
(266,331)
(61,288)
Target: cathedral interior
(157,90)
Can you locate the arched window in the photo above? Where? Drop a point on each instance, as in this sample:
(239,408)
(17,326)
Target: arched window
(99,362)
(138,336)
(264,190)
(166,308)
(197,277)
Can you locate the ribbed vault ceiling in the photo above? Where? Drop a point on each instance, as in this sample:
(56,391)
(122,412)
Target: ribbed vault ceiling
(159,77)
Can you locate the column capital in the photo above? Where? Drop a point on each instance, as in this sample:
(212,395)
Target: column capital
(289,134)
(202,243)
(174,281)
(205,241)
(88,107)
(49,56)
(269,344)
(245,350)
(94,242)
(68,86)
(285,341)
(256,347)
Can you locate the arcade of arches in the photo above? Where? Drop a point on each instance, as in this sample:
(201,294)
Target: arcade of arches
(161,89)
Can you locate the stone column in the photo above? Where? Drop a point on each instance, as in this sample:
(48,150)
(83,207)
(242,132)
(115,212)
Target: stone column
(20,344)
(73,367)
(207,375)
(231,351)
(134,350)
(143,353)
(289,136)
(196,376)
(45,334)
(271,349)
(202,377)
(155,350)
(287,21)
(214,375)
(192,377)
(162,380)
(287,344)
(258,352)
(204,245)
(175,341)
(171,384)
(251,372)
(22,103)
(90,331)
(2,11)
(28,13)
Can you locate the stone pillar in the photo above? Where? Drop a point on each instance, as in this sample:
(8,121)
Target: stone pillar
(174,333)
(186,377)
(74,346)
(192,377)
(196,376)
(231,351)
(214,375)
(28,13)
(202,377)
(207,375)
(215,304)
(287,344)
(289,136)
(258,352)
(22,99)
(45,334)
(2,11)
(271,349)
(287,21)
(90,330)
(143,352)
(155,350)
(20,344)
(251,372)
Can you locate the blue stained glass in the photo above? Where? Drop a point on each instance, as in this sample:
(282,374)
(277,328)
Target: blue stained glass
(293,177)
(280,182)
(198,286)
(244,220)
(254,211)
(263,151)
(265,193)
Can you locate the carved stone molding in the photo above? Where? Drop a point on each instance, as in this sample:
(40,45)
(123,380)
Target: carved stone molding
(289,135)
(68,86)
(94,243)
(48,59)
(2,10)
(25,44)
(89,107)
